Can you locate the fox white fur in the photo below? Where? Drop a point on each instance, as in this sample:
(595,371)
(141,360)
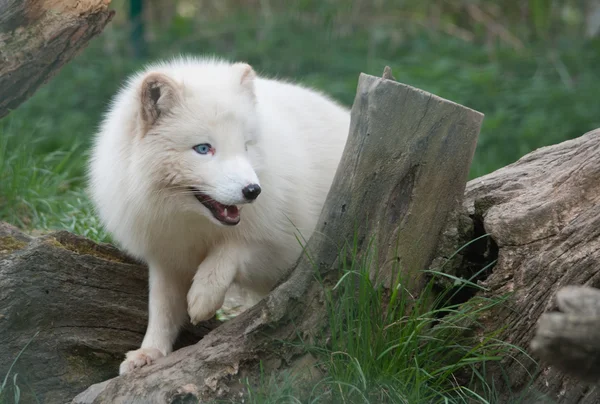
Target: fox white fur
(286,138)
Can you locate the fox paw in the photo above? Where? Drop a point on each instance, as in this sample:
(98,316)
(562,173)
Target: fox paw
(203,302)
(139,358)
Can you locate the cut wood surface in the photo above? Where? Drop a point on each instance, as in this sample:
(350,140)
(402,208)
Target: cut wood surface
(86,302)
(403,171)
(37,37)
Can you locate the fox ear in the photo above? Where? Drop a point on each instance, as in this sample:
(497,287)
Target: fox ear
(159,95)
(246,75)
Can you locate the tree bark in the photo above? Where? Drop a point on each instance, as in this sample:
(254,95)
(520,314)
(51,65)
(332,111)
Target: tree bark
(403,171)
(542,215)
(37,37)
(87,301)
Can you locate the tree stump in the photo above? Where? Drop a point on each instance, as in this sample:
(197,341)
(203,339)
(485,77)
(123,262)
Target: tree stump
(38,37)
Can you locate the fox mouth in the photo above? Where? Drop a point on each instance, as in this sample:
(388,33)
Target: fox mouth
(226,214)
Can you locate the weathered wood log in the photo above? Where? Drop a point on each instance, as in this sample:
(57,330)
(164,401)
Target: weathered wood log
(570,338)
(38,37)
(87,302)
(542,215)
(403,170)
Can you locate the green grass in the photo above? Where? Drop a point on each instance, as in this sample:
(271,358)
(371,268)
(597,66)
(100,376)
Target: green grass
(393,348)
(44,190)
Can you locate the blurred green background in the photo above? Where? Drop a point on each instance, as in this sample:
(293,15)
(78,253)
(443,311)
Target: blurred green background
(530,65)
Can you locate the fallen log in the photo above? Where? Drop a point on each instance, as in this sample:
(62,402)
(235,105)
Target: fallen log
(38,37)
(542,215)
(76,306)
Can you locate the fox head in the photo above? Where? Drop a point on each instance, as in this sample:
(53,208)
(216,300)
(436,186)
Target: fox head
(196,138)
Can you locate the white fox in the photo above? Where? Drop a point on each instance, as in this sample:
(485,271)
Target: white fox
(207,173)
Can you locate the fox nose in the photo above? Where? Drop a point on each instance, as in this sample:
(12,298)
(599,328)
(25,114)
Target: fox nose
(251,191)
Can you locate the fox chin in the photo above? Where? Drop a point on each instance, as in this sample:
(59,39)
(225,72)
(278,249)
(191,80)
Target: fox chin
(209,174)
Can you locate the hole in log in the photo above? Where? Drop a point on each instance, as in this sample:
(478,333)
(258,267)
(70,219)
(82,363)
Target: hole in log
(474,258)
(479,254)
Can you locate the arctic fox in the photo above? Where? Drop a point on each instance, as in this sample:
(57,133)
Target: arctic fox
(207,173)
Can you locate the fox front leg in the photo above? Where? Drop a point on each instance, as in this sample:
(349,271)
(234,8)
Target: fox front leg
(166,315)
(212,280)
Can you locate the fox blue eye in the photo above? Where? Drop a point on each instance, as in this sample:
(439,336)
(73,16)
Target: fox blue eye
(203,148)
